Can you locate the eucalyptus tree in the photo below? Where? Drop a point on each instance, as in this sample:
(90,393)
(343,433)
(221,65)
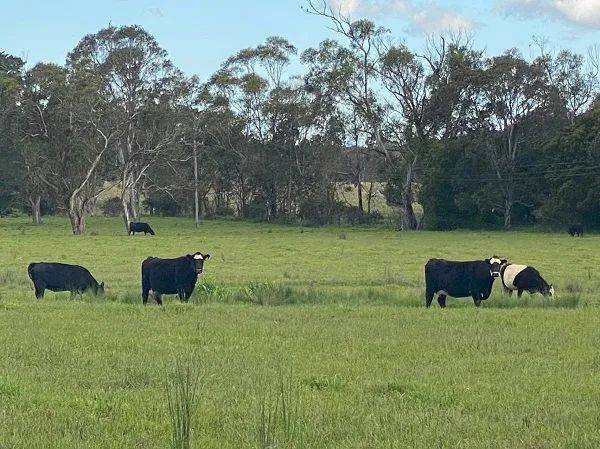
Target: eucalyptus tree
(136,73)
(253,84)
(512,90)
(11,79)
(68,132)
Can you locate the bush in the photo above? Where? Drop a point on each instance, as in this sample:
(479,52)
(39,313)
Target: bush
(112,207)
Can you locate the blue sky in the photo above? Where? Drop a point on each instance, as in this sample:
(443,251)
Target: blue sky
(199,35)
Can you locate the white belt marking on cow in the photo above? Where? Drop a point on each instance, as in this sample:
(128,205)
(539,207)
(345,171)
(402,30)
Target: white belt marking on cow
(510,273)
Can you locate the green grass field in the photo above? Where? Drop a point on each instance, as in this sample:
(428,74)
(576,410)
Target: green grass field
(329,319)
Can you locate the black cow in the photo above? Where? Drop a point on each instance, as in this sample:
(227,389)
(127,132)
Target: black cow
(524,278)
(61,277)
(140,227)
(171,276)
(576,230)
(460,279)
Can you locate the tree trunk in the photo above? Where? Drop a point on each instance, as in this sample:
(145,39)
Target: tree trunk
(360,196)
(77,215)
(408,219)
(36,211)
(508,205)
(196,197)
(370,197)
(126,212)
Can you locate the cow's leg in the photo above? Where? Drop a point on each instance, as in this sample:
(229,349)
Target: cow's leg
(519,293)
(180,295)
(145,292)
(157,298)
(429,297)
(441,299)
(476,300)
(39,289)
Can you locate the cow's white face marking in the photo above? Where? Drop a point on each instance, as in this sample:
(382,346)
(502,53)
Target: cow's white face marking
(494,260)
(198,257)
(551,290)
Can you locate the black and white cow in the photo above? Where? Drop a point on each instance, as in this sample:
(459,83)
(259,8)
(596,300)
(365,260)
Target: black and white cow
(524,278)
(140,227)
(576,230)
(61,277)
(171,276)
(460,279)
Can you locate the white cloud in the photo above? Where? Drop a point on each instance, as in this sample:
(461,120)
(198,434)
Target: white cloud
(435,19)
(579,13)
(370,8)
(423,18)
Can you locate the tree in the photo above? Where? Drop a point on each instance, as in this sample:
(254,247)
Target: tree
(135,73)
(512,90)
(11,78)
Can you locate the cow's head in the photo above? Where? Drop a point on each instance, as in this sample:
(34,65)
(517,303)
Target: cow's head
(100,289)
(548,290)
(198,259)
(495,265)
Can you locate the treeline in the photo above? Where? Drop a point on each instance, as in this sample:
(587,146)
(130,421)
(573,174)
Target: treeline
(475,141)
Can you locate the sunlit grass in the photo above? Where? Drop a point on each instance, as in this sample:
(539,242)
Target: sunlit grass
(365,364)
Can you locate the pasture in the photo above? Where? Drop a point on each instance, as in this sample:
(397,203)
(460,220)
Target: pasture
(329,319)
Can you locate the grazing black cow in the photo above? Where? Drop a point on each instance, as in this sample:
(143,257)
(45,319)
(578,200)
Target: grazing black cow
(460,279)
(524,278)
(576,230)
(61,277)
(140,227)
(171,276)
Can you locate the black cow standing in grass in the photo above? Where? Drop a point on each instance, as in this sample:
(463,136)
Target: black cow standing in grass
(171,276)
(576,230)
(60,277)
(140,227)
(460,279)
(524,278)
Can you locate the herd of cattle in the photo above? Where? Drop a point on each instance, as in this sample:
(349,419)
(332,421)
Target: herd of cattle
(178,276)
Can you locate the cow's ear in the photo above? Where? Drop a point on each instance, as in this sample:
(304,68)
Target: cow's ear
(102,284)
(189,256)
(488,261)
(206,256)
(503,261)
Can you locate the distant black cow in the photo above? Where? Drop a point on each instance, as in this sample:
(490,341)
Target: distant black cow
(60,277)
(140,227)
(171,276)
(576,230)
(524,278)
(460,279)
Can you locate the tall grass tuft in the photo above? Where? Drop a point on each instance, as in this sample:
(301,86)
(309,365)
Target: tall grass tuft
(181,388)
(279,423)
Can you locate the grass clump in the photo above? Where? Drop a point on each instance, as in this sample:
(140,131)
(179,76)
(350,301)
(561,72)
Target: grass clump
(181,390)
(279,423)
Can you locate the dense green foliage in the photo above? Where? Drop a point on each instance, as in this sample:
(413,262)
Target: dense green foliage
(476,141)
(342,334)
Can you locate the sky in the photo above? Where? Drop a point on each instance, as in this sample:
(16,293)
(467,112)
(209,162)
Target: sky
(200,35)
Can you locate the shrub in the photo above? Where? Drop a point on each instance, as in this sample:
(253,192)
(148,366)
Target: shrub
(112,207)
